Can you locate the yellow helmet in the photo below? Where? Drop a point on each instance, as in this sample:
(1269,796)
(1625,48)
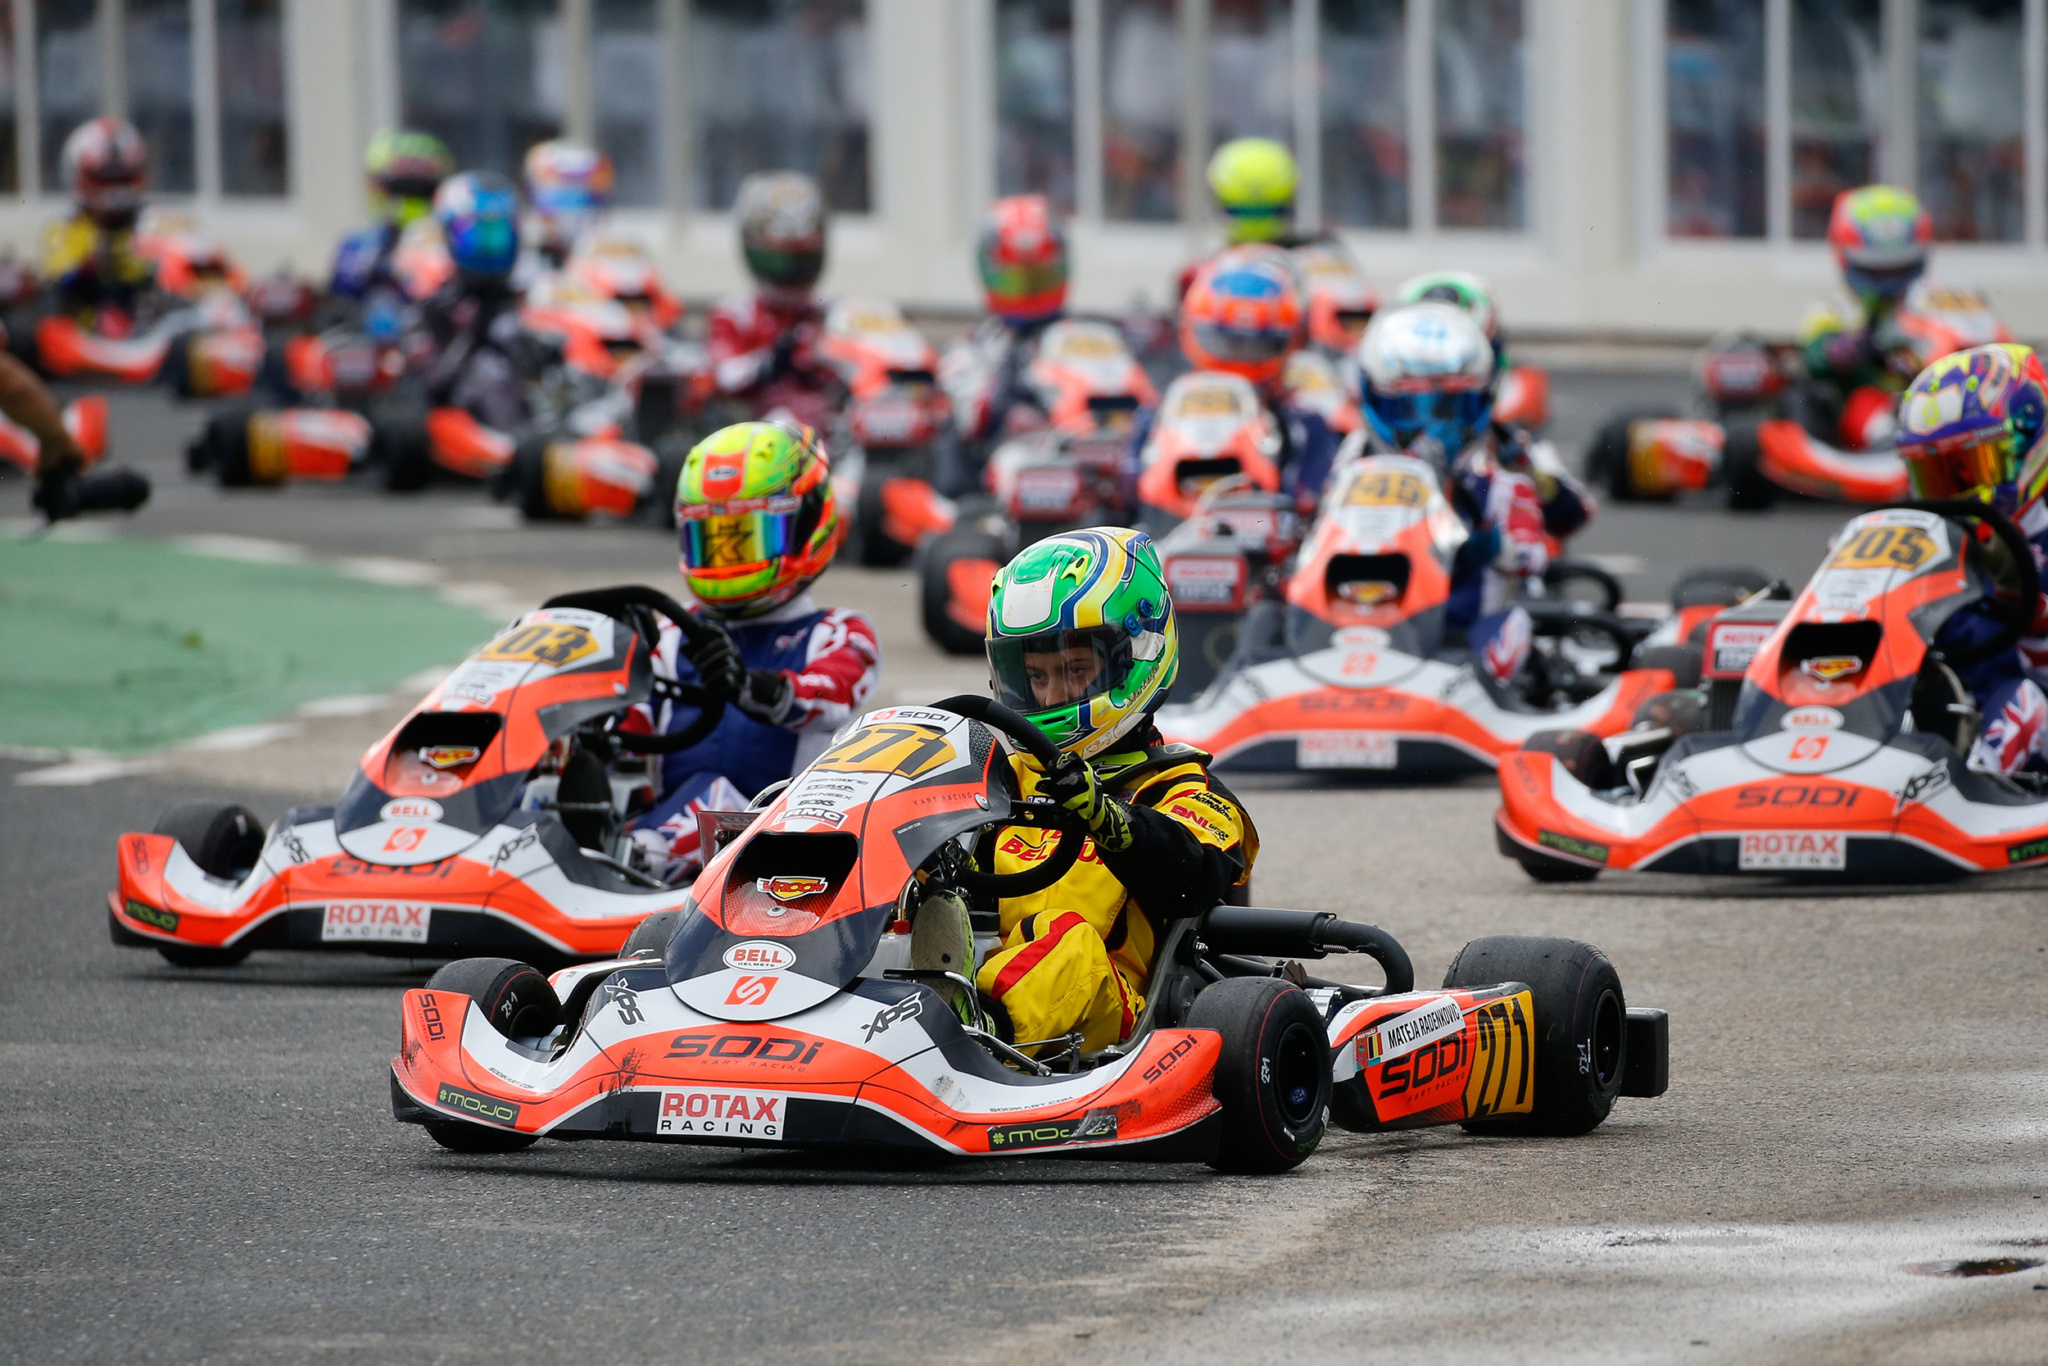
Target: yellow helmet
(1253,180)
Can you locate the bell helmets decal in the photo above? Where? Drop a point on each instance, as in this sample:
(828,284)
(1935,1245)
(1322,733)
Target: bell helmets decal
(791,888)
(411,809)
(1831,668)
(1810,719)
(759,955)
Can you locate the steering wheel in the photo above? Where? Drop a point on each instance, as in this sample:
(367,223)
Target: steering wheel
(2014,618)
(634,605)
(1042,814)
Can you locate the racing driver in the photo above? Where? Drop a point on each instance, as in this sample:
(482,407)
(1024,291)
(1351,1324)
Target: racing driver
(1975,425)
(1081,640)
(758,523)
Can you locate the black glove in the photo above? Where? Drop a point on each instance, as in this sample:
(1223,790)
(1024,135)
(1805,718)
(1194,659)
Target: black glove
(720,670)
(782,360)
(67,493)
(767,695)
(1072,784)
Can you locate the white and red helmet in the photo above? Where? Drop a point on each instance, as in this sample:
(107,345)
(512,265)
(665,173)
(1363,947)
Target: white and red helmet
(105,164)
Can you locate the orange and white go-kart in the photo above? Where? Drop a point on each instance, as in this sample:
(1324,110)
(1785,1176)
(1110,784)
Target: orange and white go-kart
(818,988)
(1830,740)
(488,821)
(1349,667)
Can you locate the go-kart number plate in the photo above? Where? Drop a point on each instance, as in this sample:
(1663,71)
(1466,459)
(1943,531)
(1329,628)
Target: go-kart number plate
(542,643)
(722,1112)
(1766,850)
(1347,749)
(1885,546)
(909,750)
(375,922)
(1387,488)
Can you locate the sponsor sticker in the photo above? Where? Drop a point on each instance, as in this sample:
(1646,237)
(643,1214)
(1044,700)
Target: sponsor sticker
(1571,844)
(376,922)
(1731,645)
(487,1108)
(450,756)
(1361,638)
(1763,850)
(723,1112)
(411,808)
(1405,1033)
(1810,719)
(150,915)
(751,990)
(791,888)
(1347,749)
(2014,853)
(760,955)
(1831,668)
(1093,1127)
(541,642)
(1205,580)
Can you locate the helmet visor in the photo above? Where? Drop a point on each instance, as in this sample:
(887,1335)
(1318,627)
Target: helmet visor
(1023,282)
(1881,282)
(1241,345)
(739,535)
(789,267)
(1960,472)
(1453,418)
(1036,674)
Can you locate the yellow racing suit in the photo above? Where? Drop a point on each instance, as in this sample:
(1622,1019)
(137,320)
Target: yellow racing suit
(90,267)
(1078,955)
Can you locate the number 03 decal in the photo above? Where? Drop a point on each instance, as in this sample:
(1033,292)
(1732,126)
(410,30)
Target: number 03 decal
(542,643)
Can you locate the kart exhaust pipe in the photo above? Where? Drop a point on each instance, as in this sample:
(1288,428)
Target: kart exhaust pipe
(1304,934)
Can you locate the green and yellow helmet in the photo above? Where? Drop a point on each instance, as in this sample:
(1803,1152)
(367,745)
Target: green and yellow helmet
(756,516)
(1253,180)
(1081,636)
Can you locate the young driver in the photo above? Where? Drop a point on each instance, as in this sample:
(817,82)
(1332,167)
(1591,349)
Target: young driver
(1082,641)
(758,523)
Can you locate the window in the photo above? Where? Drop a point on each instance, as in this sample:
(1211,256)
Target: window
(1251,70)
(625,80)
(1714,93)
(157,38)
(779,85)
(1479,53)
(1141,95)
(484,76)
(1972,104)
(1035,100)
(67,78)
(1362,103)
(255,157)
(1838,104)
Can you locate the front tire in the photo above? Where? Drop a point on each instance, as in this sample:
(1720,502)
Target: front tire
(1273,1079)
(520,1004)
(1579,1034)
(1742,463)
(935,587)
(226,842)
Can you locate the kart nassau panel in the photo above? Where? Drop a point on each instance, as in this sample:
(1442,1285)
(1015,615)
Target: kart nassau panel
(1434,1057)
(885,1063)
(1817,776)
(1794,458)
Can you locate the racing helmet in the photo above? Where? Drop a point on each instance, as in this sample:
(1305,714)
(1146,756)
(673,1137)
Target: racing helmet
(479,216)
(1467,291)
(569,186)
(1880,236)
(105,163)
(1975,425)
(782,231)
(1023,260)
(1242,314)
(1253,180)
(404,169)
(1081,637)
(1427,370)
(756,516)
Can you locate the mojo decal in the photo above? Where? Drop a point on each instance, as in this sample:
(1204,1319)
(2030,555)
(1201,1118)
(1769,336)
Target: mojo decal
(2014,853)
(1503,1058)
(487,1108)
(166,921)
(1568,844)
(1094,1127)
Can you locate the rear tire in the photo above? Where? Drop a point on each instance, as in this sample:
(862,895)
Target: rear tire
(399,448)
(226,842)
(1718,585)
(651,935)
(1742,467)
(935,590)
(1607,456)
(1683,661)
(1581,752)
(1580,1031)
(519,1003)
(877,549)
(1273,1079)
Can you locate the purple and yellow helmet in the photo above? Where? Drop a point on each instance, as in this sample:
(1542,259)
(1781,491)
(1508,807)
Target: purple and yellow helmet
(1973,426)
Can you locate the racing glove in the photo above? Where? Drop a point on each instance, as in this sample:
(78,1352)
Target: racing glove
(719,667)
(766,695)
(1074,786)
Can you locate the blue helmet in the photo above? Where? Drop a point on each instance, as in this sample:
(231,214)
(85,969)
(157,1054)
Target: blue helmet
(1427,371)
(479,215)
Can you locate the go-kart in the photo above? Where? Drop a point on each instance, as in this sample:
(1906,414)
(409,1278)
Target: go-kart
(1349,666)
(1841,748)
(1210,426)
(818,988)
(1768,427)
(488,821)
(891,423)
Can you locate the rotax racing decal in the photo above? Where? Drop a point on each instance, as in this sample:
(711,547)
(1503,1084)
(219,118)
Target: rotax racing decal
(376,922)
(1773,850)
(722,1112)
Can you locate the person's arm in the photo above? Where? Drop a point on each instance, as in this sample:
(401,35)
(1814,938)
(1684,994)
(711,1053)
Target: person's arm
(28,401)
(836,681)
(1178,854)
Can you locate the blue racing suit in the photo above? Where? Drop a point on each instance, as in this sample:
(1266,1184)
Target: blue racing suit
(2009,687)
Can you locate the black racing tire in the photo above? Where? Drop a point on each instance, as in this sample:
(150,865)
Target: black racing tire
(651,935)
(1718,585)
(176,370)
(523,482)
(876,548)
(1273,1079)
(1684,662)
(1607,455)
(519,1003)
(1745,487)
(223,446)
(225,841)
(1580,1031)
(934,591)
(400,451)
(669,455)
(1582,753)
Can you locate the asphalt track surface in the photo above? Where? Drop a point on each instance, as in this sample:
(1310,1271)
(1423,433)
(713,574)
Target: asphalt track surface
(201,1166)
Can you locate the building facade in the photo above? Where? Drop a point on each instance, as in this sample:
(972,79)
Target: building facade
(1616,167)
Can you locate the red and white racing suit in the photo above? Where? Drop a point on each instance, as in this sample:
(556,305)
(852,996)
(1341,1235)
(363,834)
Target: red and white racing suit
(745,332)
